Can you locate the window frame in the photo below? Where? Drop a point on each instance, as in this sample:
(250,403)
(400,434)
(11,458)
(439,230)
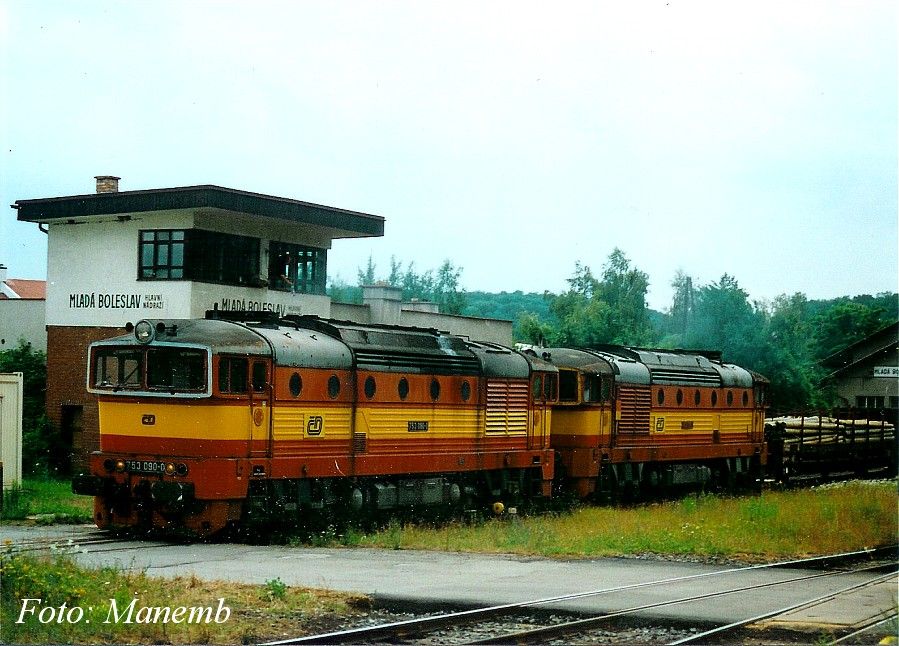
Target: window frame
(152,239)
(303,272)
(206,256)
(143,390)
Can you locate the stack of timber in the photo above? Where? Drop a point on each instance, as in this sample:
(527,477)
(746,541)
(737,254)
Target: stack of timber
(820,446)
(828,430)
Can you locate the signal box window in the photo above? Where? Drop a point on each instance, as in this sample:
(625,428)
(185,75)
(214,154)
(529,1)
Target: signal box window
(214,257)
(293,268)
(233,375)
(196,254)
(162,255)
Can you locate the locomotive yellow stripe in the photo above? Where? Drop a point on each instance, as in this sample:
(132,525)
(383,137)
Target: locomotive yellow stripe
(293,422)
(390,423)
(694,422)
(583,421)
(223,422)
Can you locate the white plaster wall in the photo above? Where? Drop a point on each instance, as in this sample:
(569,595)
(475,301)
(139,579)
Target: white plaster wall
(23,319)
(92,273)
(207,296)
(93,266)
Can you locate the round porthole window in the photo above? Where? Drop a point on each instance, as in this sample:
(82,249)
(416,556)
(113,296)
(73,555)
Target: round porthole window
(296,384)
(714,398)
(660,397)
(679,396)
(435,389)
(402,388)
(730,398)
(370,387)
(745,398)
(466,391)
(697,397)
(333,386)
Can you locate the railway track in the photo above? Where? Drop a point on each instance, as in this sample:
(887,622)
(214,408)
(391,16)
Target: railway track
(520,623)
(96,540)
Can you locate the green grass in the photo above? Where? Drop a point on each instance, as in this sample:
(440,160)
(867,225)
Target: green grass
(256,614)
(52,500)
(771,526)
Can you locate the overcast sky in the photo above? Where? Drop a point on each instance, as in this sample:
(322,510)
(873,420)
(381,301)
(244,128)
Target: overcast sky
(754,139)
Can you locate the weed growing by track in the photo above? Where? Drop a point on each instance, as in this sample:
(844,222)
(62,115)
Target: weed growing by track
(50,500)
(257,612)
(775,525)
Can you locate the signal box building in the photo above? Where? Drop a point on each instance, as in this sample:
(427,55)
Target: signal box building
(118,257)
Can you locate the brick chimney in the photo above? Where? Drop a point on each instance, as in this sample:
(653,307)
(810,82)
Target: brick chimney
(107,183)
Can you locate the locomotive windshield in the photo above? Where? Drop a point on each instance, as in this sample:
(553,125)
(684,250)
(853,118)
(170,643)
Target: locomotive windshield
(156,369)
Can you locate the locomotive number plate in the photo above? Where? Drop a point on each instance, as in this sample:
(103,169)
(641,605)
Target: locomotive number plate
(418,427)
(144,466)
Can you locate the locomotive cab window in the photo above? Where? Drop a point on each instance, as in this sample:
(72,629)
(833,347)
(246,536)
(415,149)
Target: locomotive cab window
(568,385)
(117,369)
(593,388)
(260,377)
(233,375)
(176,370)
(161,369)
(550,387)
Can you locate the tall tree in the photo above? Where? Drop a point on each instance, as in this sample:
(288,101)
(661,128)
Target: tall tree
(682,304)
(367,275)
(844,324)
(447,291)
(610,310)
(623,288)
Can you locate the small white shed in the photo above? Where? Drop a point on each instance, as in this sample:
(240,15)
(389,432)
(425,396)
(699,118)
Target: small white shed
(11,427)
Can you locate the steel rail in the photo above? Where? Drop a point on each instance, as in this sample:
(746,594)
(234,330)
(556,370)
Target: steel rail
(412,626)
(582,625)
(809,602)
(864,629)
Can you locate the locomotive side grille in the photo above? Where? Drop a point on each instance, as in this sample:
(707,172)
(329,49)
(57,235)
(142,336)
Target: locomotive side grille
(683,377)
(636,404)
(507,406)
(436,363)
(360,442)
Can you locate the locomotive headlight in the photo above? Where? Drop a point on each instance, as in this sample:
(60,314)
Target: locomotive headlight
(181,469)
(170,469)
(109,465)
(144,331)
(120,466)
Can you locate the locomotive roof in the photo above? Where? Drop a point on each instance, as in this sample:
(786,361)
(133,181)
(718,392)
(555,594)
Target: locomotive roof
(313,342)
(228,338)
(641,366)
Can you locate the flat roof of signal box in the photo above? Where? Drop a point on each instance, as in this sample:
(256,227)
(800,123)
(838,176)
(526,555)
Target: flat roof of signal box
(344,223)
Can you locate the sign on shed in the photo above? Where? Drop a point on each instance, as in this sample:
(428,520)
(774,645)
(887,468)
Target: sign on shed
(11,427)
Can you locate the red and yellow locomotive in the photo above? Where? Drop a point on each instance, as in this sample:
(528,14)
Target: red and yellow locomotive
(213,422)
(243,418)
(633,421)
